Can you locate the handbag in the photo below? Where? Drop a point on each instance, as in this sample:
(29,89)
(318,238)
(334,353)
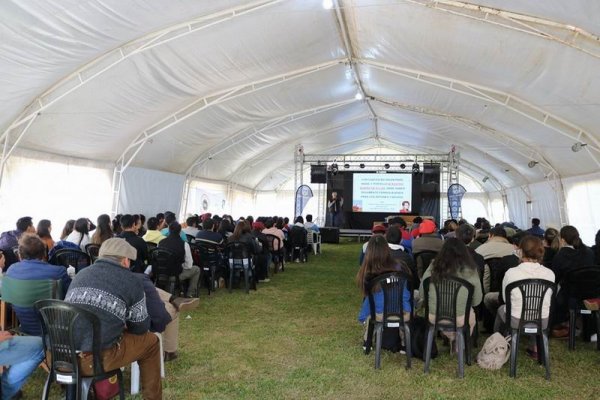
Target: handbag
(106,389)
(495,352)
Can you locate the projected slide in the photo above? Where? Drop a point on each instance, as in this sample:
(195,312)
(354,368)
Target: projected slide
(382,193)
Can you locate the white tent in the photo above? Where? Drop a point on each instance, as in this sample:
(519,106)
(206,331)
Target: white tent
(137,105)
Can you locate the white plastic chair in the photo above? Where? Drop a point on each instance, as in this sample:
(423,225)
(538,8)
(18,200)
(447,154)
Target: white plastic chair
(314,240)
(135,368)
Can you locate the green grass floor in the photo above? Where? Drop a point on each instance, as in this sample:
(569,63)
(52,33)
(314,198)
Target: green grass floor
(297,338)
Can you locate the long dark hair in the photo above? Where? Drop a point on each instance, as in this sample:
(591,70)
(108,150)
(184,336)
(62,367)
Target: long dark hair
(570,235)
(378,260)
(452,258)
(67,229)
(241,228)
(103,230)
(82,226)
(43,228)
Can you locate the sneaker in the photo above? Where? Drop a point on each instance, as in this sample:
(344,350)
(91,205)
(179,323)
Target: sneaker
(594,338)
(221,283)
(185,304)
(592,304)
(264,280)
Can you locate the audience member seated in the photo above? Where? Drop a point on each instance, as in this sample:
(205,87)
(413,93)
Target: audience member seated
(21,355)
(407,238)
(297,238)
(483,233)
(103,231)
(551,246)
(129,234)
(414,230)
(399,253)
(183,254)
(43,231)
(153,235)
(535,229)
(428,240)
(33,267)
(169,219)
(596,249)
(161,222)
(466,234)
(378,261)
(142,229)
(164,309)
(454,260)
(225,229)
(191,226)
(79,235)
(10,240)
(532,251)
(262,258)
(109,289)
(572,254)
(242,233)
(271,229)
(497,246)
(209,234)
(310,225)
(67,229)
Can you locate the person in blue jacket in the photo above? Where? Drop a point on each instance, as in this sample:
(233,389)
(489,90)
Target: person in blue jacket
(378,261)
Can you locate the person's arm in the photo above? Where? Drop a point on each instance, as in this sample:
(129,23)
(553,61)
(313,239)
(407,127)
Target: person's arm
(137,318)
(189,261)
(477,293)
(159,317)
(65,281)
(426,275)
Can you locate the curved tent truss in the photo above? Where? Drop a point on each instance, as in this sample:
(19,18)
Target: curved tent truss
(225,91)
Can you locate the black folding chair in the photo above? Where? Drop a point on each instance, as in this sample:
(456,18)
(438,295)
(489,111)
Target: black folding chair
(581,284)
(58,327)
(93,250)
(278,255)
(208,257)
(422,261)
(446,313)
(165,270)
(533,292)
(393,286)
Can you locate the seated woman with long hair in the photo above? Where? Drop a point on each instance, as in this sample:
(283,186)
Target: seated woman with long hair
(378,261)
(454,261)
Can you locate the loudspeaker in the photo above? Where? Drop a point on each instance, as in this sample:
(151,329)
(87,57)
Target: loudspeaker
(330,235)
(318,174)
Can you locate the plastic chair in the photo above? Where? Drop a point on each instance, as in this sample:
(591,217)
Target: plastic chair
(93,250)
(278,255)
(446,313)
(533,292)
(313,239)
(393,285)
(580,284)
(422,261)
(58,326)
(208,257)
(151,246)
(135,369)
(239,259)
(165,270)
(71,258)
(298,243)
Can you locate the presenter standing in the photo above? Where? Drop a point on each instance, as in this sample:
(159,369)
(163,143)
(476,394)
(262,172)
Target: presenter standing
(335,208)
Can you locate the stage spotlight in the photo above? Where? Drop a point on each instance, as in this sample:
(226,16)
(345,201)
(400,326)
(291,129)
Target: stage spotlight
(532,164)
(578,147)
(362,166)
(386,166)
(416,168)
(402,166)
(328,4)
(334,169)
(485,179)
(346,166)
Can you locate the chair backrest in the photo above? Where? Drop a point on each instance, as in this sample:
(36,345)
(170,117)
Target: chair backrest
(423,259)
(151,246)
(309,237)
(582,282)
(71,258)
(164,262)
(205,253)
(24,293)
(392,285)
(237,252)
(274,242)
(190,238)
(58,328)
(497,270)
(533,292)
(297,236)
(93,250)
(447,291)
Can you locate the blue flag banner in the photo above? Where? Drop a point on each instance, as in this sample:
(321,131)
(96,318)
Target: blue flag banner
(455,195)
(303,194)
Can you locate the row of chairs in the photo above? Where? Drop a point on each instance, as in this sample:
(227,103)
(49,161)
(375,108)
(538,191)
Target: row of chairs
(393,285)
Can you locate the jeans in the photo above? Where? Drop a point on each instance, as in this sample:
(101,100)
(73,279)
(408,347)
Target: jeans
(23,354)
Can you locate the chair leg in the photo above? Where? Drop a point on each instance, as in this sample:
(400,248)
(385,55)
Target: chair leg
(407,346)
(468,345)
(429,345)
(546,354)
(134,387)
(84,388)
(121,382)
(460,344)
(46,392)
(246,279)
(513,353)
(540,348)
(369,341)
(378,339)
(231,273)
(571,329)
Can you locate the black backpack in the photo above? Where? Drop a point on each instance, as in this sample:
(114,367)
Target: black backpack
(418,337)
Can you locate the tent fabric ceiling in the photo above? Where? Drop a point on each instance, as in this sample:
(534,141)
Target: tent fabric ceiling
(225,90)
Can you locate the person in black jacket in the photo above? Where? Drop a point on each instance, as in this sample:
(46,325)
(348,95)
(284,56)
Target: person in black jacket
(129,233)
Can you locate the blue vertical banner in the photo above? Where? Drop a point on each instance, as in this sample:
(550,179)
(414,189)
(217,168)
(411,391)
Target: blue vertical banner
(455,195)
(303,194)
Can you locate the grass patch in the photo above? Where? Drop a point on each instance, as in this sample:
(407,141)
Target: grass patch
(297,338)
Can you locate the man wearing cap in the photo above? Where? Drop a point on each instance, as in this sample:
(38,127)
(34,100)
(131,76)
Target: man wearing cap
(497,246)
(109,290)
(428,239)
